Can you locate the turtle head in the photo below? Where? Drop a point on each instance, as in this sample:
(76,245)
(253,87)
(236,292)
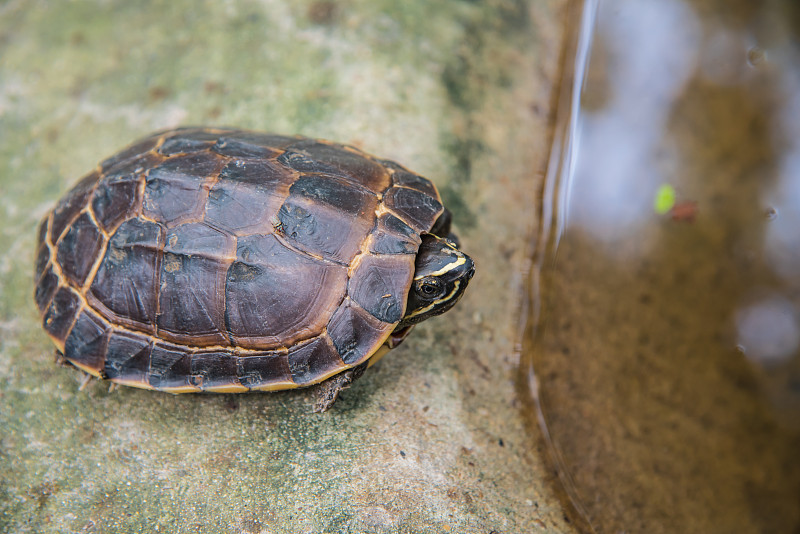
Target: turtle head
(441,276)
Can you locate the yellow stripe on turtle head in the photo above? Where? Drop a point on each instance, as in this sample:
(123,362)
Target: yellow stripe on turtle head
(460,260)
(435,303)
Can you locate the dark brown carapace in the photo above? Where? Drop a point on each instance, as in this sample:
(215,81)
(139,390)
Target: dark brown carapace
(226,260)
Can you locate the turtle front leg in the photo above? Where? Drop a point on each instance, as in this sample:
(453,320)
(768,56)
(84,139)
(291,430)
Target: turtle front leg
(328,391)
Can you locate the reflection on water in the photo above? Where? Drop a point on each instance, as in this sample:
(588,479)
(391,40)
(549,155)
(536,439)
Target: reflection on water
(664,352)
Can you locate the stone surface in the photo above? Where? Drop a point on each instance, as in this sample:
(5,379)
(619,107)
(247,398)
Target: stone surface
(432,438)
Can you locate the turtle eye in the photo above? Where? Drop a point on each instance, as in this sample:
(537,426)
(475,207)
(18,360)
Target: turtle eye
(430,288)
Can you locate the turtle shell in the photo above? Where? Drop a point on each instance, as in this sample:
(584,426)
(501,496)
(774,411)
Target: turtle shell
(226,260)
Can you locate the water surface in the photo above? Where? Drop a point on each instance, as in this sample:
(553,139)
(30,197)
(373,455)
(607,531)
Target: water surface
(663,347)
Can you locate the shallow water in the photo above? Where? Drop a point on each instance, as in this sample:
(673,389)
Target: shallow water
(662,351)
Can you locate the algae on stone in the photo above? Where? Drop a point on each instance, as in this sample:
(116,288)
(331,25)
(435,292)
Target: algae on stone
(429,440)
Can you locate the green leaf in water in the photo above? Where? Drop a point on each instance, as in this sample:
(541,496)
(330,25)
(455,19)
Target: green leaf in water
(665,199)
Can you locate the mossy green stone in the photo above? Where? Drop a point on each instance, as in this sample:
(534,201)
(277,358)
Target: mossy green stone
(431,440)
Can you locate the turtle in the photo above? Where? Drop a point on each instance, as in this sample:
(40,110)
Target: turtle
(226,260)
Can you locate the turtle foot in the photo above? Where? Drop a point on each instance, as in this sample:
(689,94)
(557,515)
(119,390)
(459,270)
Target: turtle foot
(328,391)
